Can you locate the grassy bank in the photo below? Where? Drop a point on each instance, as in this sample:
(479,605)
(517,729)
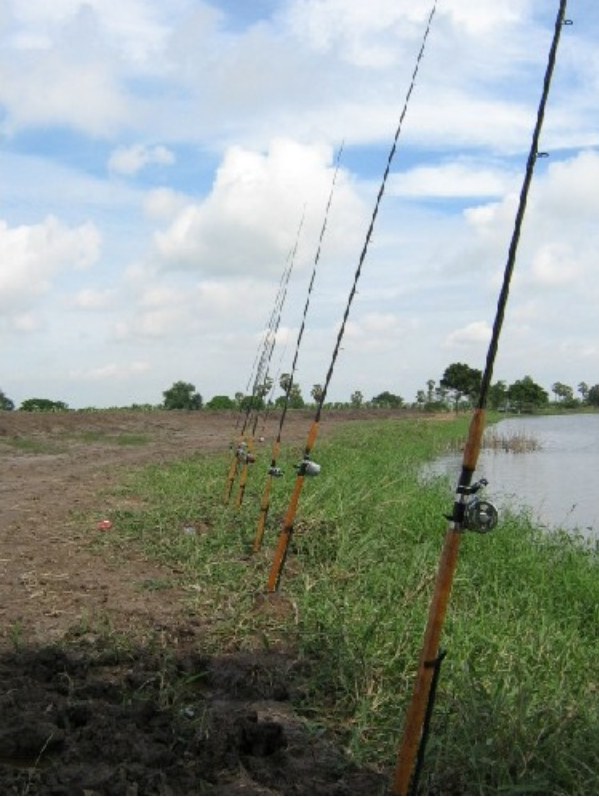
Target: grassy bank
(518,704)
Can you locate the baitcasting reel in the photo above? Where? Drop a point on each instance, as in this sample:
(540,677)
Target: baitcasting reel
(307,468)
(479,515)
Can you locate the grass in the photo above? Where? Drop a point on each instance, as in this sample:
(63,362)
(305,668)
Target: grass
(122,439)
(27,445)
(518,705)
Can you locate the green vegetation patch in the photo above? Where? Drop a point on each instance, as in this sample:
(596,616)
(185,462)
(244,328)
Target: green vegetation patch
(518,703)
(28,445)
(122,439)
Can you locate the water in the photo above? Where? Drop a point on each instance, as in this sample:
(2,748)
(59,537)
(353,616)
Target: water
(558,483)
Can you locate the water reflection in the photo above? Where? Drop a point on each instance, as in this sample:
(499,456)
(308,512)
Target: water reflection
(558,482)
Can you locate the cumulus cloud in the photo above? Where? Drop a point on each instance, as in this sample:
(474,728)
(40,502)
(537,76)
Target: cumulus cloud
(194,311)
(34,255)
(374,332)
(164,203)
(555,264)
(476,333)
(250,220)
(130,160)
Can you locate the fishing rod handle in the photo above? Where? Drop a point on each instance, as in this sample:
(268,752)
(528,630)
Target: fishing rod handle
(285,537)
(422,686)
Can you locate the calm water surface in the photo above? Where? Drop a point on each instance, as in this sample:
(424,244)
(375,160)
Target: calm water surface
(559,482)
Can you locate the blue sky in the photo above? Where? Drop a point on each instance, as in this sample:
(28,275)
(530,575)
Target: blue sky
(156,159)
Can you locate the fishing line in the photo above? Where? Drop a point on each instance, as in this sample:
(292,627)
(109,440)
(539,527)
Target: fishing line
(240,448)
(249,458)
(307,467)
(273,470)
(459,519)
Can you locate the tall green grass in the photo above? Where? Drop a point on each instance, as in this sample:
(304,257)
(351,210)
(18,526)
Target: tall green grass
(518,704)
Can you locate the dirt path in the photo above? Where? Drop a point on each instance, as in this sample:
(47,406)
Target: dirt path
(78,717)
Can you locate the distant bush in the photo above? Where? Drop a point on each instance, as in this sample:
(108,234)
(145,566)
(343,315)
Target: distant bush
(221,403)
(43,405)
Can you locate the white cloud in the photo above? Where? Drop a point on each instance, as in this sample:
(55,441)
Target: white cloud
(33,255)
(250,220)
(92,299)
(479,17)
(253,98)
(164,203)
(472,334)
(457,179)
(111,371)
(374,332)
(48,90)
(25,322)
(555,264)
(130,160)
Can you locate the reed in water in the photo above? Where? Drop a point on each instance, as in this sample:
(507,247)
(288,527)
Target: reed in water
(516,442)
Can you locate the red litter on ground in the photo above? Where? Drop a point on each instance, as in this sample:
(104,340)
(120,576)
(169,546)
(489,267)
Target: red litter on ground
(105,525)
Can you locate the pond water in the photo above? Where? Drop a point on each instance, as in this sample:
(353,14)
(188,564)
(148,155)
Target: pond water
(558,482)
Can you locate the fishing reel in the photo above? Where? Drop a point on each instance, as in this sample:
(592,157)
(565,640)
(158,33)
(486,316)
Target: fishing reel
(307,467)
(243,455)
(481,516)
(475,514)
(276,473)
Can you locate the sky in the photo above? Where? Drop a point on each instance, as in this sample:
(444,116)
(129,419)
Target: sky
(156,161)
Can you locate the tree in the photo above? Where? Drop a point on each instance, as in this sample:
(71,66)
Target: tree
(221,403)
(583,389)
(498,395)
(285,382)
(263,389)
(461,380)
(525,395)
(562,392)
(249,403)
(5,402)
(316,392)
(430,389)
(387,400)
(357,399)
(296,401)
(593,396)
(292,389)
(182,396)
(43,405)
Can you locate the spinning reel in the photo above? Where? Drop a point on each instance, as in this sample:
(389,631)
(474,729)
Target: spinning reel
(243,455)
(307,467)
(478,514)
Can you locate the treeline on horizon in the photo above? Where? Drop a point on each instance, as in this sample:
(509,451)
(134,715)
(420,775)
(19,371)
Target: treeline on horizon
(457,389)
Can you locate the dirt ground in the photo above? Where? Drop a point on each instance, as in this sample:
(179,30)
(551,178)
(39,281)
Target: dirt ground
(80,716)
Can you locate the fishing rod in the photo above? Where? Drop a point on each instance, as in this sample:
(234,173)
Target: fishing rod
(465,510)
(308,468)
(274,471)
(240,448)
(249,457)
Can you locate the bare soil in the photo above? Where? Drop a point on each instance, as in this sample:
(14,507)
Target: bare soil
(78,713)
